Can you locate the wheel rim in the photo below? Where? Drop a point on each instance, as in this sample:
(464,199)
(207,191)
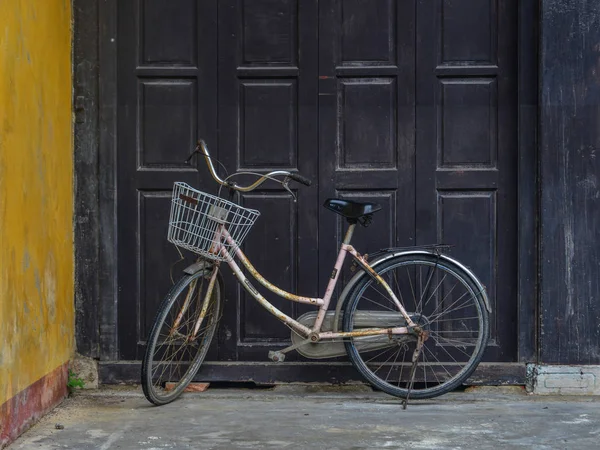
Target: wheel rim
(445,305)
(178,349)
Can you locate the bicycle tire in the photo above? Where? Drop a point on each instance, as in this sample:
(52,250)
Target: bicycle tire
(445,331)
(166,386)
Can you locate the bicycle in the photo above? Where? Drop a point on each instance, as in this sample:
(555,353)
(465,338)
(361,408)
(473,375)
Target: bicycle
(414,322)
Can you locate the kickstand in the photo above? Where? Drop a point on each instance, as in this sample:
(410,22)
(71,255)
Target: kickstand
(413,369)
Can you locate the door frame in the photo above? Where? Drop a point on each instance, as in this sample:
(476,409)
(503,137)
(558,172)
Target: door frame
(95,105)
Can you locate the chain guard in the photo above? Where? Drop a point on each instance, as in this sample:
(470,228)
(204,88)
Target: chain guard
(363,319)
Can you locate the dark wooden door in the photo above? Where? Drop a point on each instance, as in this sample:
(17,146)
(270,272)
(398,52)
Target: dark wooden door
(166,98)
(267,92)
(407,103)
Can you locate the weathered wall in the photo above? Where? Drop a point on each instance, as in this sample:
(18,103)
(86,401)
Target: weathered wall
(36,195)
(570,182)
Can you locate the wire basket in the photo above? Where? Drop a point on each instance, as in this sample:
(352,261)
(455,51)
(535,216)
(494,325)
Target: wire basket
(196,218)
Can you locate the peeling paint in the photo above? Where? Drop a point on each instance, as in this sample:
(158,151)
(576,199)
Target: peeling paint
(26,407)
(26,260)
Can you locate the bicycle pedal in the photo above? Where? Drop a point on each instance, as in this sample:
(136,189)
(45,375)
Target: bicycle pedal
(276,356)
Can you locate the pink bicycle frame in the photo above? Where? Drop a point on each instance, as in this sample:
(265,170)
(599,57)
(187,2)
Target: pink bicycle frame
(323,303)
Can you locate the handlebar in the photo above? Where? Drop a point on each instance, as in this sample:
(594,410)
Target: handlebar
(300,179)
(203,149)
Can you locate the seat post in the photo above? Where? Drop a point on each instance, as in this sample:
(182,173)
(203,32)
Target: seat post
(349,233)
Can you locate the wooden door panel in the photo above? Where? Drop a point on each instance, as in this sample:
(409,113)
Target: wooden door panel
(167,123)
(367,30)
(469,221)
(151,249)
(269,31)
(268,124)
(168,31)
(467,30)
(366,123)
(468,102)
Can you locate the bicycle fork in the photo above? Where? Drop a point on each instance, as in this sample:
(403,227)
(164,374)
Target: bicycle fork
(205,304)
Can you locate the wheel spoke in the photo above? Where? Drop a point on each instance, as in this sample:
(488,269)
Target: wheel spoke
(464,305)
(445,297)
(419,307)
(379,304)
(381,365)
(411,286)
(438,363)
(377,355)
(405,348)
(456,346)
(393,364)
(433,293)
(459,318)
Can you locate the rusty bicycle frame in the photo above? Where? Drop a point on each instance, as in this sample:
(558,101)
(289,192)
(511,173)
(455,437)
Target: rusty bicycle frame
(313,334)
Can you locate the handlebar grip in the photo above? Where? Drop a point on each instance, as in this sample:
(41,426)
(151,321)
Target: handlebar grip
(300,179)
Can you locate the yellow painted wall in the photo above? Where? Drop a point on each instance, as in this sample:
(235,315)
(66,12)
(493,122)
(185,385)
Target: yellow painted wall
(36,194)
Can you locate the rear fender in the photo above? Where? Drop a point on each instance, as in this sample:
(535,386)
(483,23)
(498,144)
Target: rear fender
(387,256)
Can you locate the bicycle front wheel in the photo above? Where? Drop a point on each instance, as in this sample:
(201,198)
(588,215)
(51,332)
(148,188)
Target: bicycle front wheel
(440,297)
(180,337)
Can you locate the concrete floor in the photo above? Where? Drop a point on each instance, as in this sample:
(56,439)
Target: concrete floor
(296,417)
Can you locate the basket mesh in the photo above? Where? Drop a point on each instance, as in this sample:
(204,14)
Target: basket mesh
(195,219)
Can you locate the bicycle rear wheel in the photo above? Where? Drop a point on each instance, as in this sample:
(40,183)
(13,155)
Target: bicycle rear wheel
(440,297)
(180,337)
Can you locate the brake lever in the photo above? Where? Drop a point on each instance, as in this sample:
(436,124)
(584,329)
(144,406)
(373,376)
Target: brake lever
(189,158)
(285,183)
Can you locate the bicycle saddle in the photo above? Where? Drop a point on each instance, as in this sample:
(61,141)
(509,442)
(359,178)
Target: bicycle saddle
(351,209)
